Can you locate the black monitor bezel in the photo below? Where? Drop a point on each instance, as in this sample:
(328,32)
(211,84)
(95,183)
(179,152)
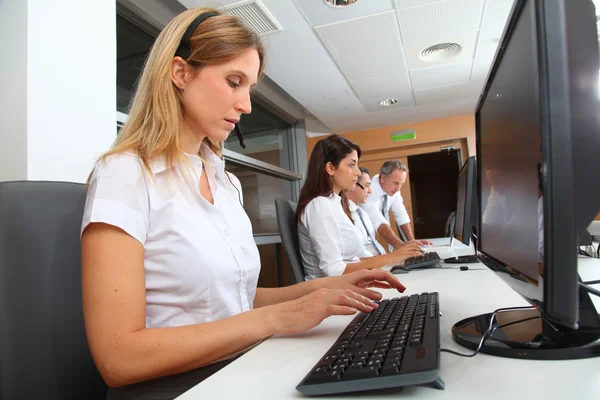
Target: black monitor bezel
(558,298)
(468,168)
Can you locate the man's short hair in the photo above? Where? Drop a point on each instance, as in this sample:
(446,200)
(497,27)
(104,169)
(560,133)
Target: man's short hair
(390,166)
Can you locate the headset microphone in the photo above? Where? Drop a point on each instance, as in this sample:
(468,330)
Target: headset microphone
(238,132)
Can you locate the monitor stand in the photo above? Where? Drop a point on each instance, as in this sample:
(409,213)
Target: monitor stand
(526,334)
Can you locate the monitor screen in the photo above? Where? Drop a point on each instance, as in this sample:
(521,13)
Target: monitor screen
(464,202)
(510,143)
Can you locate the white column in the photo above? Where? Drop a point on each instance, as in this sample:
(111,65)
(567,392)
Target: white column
(58,79)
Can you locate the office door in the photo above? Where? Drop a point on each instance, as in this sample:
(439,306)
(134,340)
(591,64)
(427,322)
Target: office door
(434,191)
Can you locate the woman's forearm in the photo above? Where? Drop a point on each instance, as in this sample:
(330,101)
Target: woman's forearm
(268,296)
(155,352)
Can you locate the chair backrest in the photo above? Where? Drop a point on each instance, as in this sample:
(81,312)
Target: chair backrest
(288,230)
(44,353)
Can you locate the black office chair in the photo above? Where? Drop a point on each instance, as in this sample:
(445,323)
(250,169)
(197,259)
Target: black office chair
(288,230)
(43,348)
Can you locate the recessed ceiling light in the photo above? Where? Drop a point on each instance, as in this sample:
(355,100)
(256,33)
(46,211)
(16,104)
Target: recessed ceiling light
(441,51)
(388,102)
(340,3)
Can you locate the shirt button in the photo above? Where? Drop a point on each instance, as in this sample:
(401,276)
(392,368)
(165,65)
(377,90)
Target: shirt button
(225,232)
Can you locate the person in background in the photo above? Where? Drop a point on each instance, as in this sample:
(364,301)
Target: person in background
(169,263)
(361,218)
(330,244)
(386,196)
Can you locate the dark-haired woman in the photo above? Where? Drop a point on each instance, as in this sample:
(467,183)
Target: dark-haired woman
(330,244)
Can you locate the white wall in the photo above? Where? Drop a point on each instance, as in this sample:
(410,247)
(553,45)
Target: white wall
(65,86)
(13,94)
(71,74)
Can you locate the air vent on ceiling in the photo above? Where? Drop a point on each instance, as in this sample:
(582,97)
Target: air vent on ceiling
(440,52)
(255,15)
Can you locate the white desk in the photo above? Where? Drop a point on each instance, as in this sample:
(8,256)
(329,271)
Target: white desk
(273,369)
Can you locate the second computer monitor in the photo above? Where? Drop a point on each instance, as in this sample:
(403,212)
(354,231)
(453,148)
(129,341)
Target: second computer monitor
(465,202)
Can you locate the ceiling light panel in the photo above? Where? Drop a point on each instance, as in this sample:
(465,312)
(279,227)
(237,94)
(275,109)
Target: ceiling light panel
(439,19)
(495,14)
(441,76)
(361,35)
(318,13)
(371,104)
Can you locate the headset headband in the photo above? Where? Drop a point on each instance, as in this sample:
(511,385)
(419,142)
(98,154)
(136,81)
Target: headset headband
(185,50)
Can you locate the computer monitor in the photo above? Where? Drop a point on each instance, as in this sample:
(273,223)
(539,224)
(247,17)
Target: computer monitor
(537,131)
(465,202)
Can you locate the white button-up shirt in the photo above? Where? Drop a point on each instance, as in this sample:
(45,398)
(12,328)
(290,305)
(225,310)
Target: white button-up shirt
(367,230)
(374,205)
(328,239)
(200,260)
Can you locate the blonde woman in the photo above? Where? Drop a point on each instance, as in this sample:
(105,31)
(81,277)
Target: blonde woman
(170,267)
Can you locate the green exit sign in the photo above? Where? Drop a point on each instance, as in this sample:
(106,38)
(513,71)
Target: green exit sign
(403,135)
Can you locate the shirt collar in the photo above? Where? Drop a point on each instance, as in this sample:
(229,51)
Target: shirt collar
(376,187)
(352,205)
(214,164)
(334,197)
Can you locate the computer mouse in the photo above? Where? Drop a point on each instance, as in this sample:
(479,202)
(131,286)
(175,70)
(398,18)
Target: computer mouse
(464,268)
(399,269)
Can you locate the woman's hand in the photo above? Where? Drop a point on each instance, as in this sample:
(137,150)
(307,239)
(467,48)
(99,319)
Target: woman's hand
(410,249)
(336,295)
(361,281)
(309,311)
(422,242)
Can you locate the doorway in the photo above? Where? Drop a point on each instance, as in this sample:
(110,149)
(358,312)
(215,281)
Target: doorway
(433,190)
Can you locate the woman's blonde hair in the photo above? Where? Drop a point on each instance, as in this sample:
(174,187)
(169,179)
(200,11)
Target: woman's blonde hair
(153,127)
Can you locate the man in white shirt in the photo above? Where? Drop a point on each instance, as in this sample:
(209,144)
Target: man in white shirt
(361,218)
(386,196)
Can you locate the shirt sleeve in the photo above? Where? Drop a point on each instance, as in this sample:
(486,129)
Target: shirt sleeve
(399,210)
(373,209)
(325,235)
(118,196)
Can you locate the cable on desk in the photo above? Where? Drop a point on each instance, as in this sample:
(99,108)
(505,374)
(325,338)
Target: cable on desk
(583,253)
(588,289)
(491,329)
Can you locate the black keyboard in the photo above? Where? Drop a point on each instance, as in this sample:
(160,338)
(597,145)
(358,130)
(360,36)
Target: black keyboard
(427,260)
(396,345)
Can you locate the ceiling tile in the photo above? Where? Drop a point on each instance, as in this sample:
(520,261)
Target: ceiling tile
(413,50)
(487,45)
(360,36)
(440,76)
(411,3)
(442,94)
(317,12)
(439,19)
(381,63)
(495,14)
(383,88)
